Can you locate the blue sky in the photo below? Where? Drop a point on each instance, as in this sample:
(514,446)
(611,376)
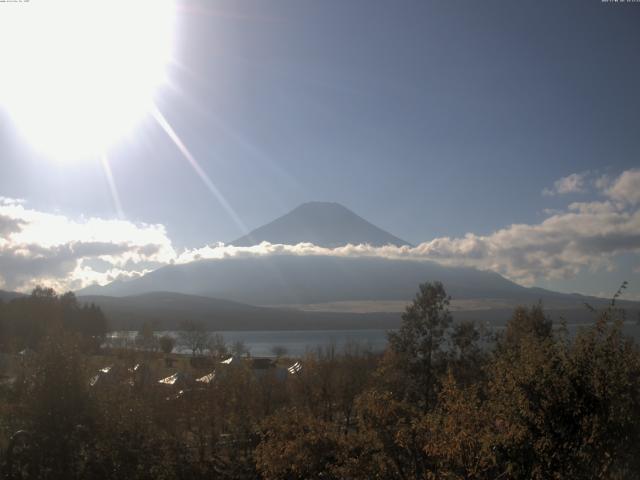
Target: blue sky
(428,118)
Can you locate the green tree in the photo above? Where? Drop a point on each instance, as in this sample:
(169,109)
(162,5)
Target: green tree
(416,349)
(568,409)
(531,322)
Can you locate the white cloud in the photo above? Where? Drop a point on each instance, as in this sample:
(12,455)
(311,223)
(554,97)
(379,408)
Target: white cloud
(602,182)
(625,188)
(588,235)
(43,248)
(574,183)
(592,207)
(50,249)
(551,211)
(558,247)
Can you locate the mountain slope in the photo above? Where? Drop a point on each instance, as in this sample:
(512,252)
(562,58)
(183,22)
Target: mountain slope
(321,223)
(290,279)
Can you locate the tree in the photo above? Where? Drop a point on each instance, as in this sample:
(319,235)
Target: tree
(167,343)
(59,407)
(239,348)
(390,415)
(568,409)
(297,445)
(463,432)
(217,346)
(531,322)
(468,358)
(278,351)
(146,337)
(27,320)
(194,336)
(415,349)
(394,432)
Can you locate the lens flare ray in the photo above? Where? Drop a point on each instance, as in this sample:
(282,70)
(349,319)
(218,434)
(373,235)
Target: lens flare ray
(168,129)
(112,186)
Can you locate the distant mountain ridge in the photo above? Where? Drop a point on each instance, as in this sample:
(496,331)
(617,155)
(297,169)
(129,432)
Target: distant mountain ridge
(6,296)
(324,224)
(166,311)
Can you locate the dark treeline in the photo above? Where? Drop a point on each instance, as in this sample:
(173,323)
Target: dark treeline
(438,404)
(26,321)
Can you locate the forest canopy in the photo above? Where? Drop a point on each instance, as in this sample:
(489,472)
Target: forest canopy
(446,400)
(25,321)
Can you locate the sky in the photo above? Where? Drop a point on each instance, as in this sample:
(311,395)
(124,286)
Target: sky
(502,135)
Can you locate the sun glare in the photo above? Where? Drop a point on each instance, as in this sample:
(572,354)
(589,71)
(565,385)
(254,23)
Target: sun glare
(76,76)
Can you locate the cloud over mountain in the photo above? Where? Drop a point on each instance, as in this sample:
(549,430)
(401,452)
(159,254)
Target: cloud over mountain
(37,247)
(584,235)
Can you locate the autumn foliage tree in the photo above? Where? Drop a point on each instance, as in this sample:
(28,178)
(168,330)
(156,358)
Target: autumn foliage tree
(27,320)
(444,401)
(445,404)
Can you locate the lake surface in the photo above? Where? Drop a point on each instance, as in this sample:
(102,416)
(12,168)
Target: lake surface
(296,342)
(299,342)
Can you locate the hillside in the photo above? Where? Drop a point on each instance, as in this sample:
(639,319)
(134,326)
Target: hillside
(300,280)
(167,310)
(291,279)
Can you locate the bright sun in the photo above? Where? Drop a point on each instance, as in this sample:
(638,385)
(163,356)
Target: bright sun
(77,75)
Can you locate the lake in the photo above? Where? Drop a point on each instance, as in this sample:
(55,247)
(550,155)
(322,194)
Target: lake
(298,342)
